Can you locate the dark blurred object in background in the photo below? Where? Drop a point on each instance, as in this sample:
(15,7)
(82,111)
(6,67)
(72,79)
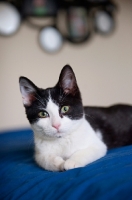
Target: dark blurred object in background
(40,8)
(82,17)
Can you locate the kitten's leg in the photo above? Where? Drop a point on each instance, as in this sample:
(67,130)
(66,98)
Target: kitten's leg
(50,162)
(84,156)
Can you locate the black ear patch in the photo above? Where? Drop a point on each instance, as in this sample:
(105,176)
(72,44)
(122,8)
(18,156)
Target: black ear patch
(28,90)
(67,80)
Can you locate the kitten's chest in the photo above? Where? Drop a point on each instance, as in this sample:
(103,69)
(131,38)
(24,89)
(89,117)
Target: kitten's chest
(63,147)
(66,146)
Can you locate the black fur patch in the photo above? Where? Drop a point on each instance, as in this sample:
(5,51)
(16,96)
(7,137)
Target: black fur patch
(60,99)
(114,122)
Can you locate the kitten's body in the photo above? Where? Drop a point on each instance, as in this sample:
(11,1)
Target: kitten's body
(68,135)
(114,123)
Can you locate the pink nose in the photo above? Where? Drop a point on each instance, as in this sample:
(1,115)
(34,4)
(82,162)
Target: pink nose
(56,126)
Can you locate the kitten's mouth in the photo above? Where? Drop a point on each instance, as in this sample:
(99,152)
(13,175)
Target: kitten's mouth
(59,134)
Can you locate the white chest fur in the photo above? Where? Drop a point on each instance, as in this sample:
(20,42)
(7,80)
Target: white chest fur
(81,147)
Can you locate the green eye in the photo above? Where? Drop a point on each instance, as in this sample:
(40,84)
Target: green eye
(43,114)
(64,109)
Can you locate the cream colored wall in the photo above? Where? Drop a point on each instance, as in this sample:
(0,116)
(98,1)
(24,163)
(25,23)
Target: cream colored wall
(103,67)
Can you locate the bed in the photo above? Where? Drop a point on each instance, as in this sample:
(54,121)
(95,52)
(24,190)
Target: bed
(22,179)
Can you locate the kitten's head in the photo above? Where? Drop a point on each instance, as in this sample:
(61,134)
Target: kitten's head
(53,112)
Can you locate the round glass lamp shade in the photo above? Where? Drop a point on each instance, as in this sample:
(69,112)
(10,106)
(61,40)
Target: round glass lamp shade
(9,19)
(50,39)
(104,23)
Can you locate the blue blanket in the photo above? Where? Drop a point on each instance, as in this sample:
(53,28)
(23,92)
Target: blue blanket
(21,179)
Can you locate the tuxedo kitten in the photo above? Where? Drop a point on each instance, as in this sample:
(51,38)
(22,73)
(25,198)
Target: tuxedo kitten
(68,135)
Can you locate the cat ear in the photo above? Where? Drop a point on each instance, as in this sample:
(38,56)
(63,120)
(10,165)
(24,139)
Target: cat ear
(67,80)
(28,89)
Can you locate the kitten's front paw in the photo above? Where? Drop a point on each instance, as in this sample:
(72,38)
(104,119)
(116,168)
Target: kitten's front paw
(59,163)
(71,164)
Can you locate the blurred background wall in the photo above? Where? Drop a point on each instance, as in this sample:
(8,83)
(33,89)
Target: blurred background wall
(103,67)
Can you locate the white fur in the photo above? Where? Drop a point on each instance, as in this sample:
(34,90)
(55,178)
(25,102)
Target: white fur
(74,144)
(99,134)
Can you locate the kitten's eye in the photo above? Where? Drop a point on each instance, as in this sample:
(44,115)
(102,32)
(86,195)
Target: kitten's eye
(43,114)
(64,109)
